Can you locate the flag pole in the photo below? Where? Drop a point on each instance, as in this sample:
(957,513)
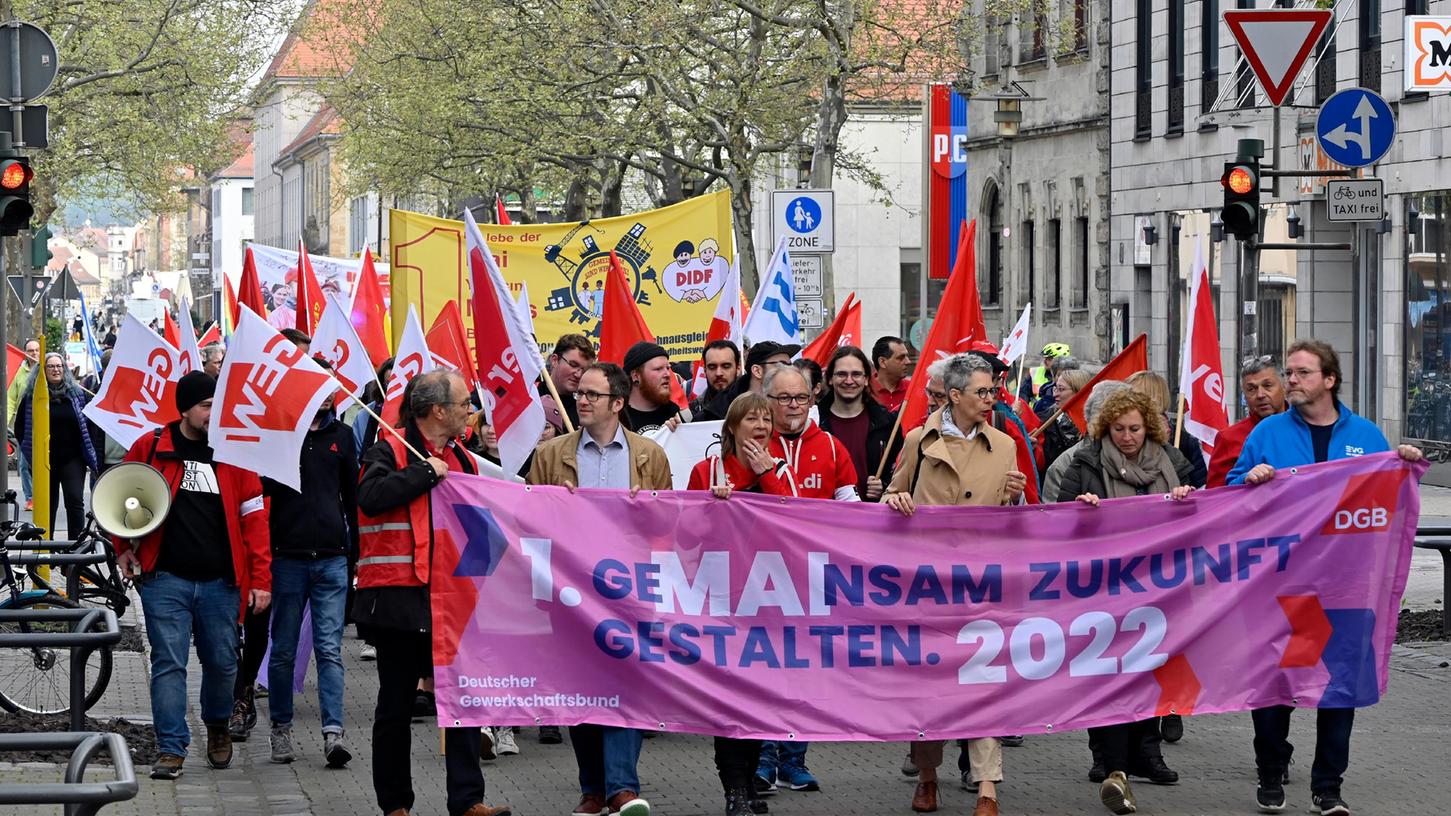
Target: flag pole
(1049,421)
(891,438)
(1179,421)
(381,424)
(554,392)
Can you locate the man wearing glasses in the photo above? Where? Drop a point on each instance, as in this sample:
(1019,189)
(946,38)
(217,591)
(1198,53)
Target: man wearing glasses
(571,356)
(602,454)
(1264,395)
(852,414)
(1318,428)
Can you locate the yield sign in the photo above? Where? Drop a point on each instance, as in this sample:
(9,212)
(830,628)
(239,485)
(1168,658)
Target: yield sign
(1276,43)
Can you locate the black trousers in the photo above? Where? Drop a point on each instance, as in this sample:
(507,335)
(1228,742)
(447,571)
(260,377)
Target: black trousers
(256,628)
(1332,744)
(68,478)
(736,761)
(402,657)
(1126,746)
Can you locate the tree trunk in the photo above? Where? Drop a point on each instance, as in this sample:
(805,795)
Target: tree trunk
(743,215)
(575,201)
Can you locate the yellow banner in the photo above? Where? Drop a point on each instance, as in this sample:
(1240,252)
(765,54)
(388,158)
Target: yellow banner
(677,257)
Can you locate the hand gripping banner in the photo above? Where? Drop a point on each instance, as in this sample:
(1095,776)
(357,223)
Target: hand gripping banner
(777,618)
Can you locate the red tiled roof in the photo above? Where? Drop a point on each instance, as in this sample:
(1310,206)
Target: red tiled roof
(82,277)
(242,167)
(312,50)
(325,122)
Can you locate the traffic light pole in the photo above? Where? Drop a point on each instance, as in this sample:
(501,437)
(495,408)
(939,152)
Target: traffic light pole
(1249,297)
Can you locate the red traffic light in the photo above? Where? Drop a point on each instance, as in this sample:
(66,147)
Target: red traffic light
(14,175)
(1240,180)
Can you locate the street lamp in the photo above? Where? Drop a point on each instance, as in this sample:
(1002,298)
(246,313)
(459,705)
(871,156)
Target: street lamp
(1009,113)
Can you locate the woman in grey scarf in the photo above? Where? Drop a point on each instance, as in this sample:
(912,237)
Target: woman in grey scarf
(1127,454)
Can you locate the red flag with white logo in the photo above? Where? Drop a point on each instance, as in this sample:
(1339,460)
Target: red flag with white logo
(337,342)
(413,358)
(1015,345)
(1201,374)
(138,392)
(508,359)
(213,334)
(725,324)
(957,324)
(267,396)
(449,344)
(830,340)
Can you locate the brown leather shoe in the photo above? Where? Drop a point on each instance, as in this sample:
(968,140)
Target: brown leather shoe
(985,807)
(590,804)
(925,799)
(482,809)
(629,803)
(219,746)
(398,812)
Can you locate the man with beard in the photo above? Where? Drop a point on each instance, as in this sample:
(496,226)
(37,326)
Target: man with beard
(1264,393)
(314,538)
(851,414)
(572,354)
(720,361)
(649,406)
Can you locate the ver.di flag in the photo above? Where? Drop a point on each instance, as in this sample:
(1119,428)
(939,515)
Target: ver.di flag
(267,395)
(337,342)
(138,392)
(1015,345)
(773,314)
(413,358)
(507,356)
(1201,375)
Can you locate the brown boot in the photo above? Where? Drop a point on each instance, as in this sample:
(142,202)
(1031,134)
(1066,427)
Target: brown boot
(219,746)
(985,807)
(398,812)
(629,803)
(167,766)
(925,799)
(482,809)
(590,804)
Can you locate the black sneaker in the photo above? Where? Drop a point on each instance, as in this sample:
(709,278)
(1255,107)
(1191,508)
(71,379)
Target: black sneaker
(1171,727)
(1330,804)
(1014,741)
(759,806)
(1097,773)
(764,786)
(237,723)
(550,735)
(1270,795)
(1154,770)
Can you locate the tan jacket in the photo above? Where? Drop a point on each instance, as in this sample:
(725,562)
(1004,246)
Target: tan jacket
(555,463)
(976,473)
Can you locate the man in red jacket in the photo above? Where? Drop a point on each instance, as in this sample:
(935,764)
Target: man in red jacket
(199,572)
(1264,393)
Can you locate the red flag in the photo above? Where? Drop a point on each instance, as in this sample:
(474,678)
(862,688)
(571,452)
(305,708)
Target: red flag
(828,341)
(957,324)
(503,214)
(622,325)
(370,312)
(446,339)
(507,357)
(1201,378)
(310,302)
(1134,357)
(14,359)
(213,334)
(169,330)
(249,290)
(851,333)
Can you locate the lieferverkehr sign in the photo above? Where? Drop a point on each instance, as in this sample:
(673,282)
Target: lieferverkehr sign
(1428,53)
(1355,199)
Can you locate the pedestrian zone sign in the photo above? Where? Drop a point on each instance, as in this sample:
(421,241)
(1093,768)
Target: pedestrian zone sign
(805,218)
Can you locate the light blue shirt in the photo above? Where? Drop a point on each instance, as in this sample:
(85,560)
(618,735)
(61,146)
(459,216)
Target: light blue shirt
(607,466)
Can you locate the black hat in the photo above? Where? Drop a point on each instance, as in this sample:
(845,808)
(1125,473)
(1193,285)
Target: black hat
(758,353)
(642,353)
(192,388)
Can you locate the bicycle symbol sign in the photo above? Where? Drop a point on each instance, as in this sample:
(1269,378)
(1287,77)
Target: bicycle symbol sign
(1355,199)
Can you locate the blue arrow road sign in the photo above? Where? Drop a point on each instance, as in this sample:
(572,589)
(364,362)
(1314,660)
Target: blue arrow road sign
(1355,127)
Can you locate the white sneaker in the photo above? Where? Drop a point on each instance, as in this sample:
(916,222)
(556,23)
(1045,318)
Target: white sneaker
(369,652)
(504,741)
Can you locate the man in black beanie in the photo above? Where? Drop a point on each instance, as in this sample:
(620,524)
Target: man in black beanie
(649,407)
(199,571)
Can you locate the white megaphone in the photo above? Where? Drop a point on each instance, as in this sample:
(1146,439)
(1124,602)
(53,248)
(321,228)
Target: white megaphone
(131,500)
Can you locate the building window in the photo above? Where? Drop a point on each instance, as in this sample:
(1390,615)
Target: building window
(1080,256)
(1033,32)
(357,224)
(1325,67)
(1080,25)
(1176,67)
(1029,280)
(1208,54)
(995,45)
(1428,317)
(1054,285)
(993,291)
(317,205)
(1370,44)
(1244,81)
(248,204)
(1144,70)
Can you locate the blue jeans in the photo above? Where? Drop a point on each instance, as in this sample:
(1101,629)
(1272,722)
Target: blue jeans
(781,754)
(607,758)
(324,584)
(176,611)
(23,465)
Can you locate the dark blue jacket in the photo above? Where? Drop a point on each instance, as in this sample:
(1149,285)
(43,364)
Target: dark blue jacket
(1283,440)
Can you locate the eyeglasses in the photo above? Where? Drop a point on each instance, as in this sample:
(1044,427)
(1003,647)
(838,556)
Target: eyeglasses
(982,393)
(849,375)
(792,399)
(589,396)
(1263,359)
(937,395)
(464,404)
(1301,373)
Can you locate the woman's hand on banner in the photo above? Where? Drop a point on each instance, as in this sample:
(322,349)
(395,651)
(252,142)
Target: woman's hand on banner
(1017,483)
(902,503)
(721,491)
(1089,499)
(1181,492)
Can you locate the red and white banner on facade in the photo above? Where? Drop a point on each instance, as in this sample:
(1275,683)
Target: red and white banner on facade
(138,392)
(267,396)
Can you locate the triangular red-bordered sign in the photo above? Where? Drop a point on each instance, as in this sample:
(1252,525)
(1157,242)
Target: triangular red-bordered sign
(1276,43)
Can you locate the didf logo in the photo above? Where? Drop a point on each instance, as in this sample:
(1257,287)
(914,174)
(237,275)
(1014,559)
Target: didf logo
(1368,503)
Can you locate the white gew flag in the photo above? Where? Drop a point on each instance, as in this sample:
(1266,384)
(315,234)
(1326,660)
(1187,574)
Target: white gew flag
(773,315)
(138,393)
(337,342)
(267,396)
(1015,345)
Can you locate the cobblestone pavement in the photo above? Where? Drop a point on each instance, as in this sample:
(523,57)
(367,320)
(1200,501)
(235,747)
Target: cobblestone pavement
(1401,755)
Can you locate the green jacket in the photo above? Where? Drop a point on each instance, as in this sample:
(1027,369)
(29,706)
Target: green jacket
(17,390)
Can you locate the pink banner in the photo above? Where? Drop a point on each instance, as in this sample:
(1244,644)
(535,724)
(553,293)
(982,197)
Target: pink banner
(802,619)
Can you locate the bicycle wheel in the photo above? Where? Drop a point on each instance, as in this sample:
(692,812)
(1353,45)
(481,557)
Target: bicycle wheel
(38,680)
